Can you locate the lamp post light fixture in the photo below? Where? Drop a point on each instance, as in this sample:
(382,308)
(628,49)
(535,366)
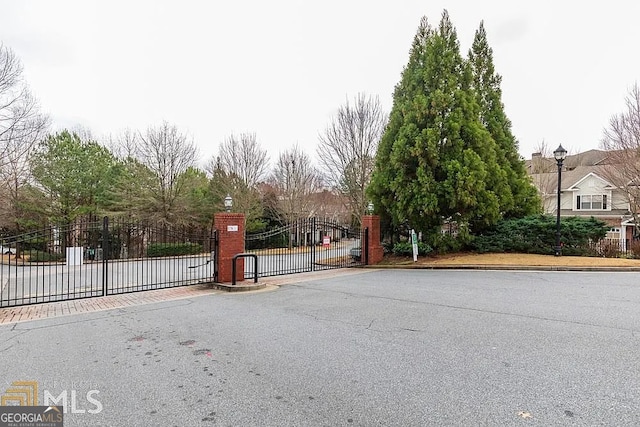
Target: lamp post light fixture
(228,203)
(370,208)
(560,154)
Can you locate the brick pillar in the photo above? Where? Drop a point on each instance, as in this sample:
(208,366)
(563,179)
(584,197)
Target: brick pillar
(230,227)
(375,253)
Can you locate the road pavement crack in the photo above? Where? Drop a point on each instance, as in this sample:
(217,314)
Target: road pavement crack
(370,324)
(471,309)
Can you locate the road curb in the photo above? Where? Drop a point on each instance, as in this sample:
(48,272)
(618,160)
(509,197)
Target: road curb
(504,267)
(228,287)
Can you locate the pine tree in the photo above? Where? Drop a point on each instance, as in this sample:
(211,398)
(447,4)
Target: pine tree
(387,177)
(75,176)
(521,198)
(436,160)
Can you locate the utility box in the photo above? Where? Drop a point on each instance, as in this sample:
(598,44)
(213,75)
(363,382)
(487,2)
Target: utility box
(74,256)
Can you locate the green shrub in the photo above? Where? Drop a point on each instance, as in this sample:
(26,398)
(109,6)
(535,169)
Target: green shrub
(537,234)
(173,249)
(446,243)
(406,249)
(37,244)
(41,256)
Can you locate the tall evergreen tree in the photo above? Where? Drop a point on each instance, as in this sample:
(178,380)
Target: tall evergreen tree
(130,193)
(522,198)
(436,160)
(74,175)
(388,175)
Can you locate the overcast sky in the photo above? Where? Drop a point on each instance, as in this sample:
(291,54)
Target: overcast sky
(281,68)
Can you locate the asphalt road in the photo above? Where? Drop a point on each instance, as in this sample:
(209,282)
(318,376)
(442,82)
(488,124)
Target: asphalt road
(388,348)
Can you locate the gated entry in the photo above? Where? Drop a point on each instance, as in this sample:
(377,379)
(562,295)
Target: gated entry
(103,257)
(306,245)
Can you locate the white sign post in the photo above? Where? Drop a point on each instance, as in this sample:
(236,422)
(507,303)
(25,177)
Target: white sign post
(414,245)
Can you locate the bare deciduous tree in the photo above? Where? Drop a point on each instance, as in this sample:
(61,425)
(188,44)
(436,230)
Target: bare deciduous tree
(167,153)
(22,126)
(295,181)
(622,140)
(544,172)
(125,144)
(84,132)
(238,169)
(242,157)
(348,147)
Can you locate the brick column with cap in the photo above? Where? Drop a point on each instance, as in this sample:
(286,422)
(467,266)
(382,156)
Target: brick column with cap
(375,250)
(230,227)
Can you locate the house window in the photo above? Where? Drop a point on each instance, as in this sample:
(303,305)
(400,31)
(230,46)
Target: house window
(613,233)
(592,202)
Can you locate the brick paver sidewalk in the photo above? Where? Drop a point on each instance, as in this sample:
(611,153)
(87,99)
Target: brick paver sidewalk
(62,308)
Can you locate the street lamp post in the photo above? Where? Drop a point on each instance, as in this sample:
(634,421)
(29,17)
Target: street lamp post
(560,154)
(370,208)
(228,203)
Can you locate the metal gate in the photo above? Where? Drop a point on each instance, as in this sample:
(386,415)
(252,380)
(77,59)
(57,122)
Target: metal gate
(305,245)
(91,258)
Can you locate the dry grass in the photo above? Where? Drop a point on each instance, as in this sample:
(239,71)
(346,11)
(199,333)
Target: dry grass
(6,259)
(516,260)
(11,259)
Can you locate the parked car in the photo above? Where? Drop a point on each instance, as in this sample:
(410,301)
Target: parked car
(356,253)
(5,250)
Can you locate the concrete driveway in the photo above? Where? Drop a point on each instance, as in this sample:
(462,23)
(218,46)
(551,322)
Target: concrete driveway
(393,347)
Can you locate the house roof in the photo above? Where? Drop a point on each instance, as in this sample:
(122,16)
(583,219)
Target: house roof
(588,158)
(548,182)
(538,164)
(591,174)
(576,167)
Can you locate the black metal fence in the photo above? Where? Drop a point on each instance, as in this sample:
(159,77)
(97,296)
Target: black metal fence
(616,248)
(90,258)
(305,245)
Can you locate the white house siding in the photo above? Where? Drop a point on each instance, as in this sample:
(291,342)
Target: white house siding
(591,185)
(619,201)
(566,202)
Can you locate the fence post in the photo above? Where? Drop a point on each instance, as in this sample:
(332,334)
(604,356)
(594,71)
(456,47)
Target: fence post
(215,253)
(364,249)
(313,244)
(105,254)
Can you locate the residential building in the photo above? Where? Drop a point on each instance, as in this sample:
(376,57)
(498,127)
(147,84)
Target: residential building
(587,189)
